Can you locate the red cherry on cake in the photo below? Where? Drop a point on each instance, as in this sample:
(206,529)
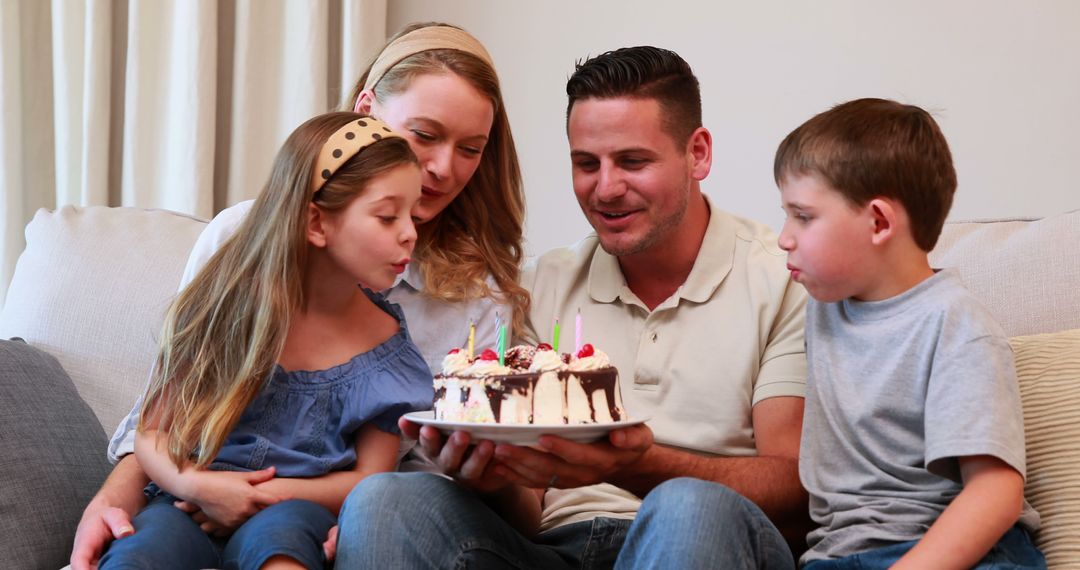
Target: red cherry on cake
(586,350)
(488,354)
(543,346)
(454,351)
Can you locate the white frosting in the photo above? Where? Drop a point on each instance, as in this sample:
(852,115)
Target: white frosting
(486,368)
(578,406)
(598,360)
(478,408)
(455,362)
(549,400)
(545,360)
(449,406)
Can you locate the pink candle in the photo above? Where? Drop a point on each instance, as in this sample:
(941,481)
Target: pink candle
(578,339)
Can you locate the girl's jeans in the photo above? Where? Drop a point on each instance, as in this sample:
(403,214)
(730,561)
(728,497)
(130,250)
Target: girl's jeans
(166,538)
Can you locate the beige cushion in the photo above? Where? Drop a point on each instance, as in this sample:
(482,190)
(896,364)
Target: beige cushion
(1048,367)
(91,289)
(1026,272)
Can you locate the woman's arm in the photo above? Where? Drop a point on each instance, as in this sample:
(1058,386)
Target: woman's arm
(376,452)
(989,505)
(109,514)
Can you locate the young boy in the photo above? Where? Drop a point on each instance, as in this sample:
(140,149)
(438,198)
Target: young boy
(913,438)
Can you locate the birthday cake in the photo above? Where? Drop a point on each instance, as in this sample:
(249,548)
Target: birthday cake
(531,385)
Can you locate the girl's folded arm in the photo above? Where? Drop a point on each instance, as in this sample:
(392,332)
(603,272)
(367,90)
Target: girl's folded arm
(376,452)
(151,449)
(228,498)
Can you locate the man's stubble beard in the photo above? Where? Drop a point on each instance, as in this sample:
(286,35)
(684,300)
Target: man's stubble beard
(657,233)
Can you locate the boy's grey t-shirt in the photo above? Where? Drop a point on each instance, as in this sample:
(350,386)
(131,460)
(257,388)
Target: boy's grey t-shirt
(897,390)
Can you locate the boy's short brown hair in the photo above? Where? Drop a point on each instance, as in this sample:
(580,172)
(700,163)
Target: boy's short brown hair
(870,148)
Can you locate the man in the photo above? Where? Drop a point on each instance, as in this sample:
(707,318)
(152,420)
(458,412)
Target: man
(696,309)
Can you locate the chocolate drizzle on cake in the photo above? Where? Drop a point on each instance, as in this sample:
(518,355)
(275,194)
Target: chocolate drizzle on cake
(480,397)
(483,391)
(592,381)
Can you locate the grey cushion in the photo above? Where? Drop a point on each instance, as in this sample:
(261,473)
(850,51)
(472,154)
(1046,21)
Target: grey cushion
(52,458)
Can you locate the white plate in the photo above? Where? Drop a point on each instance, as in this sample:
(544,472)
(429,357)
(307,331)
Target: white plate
(521,434)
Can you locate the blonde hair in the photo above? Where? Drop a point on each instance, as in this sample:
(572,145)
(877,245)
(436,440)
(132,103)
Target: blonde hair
(224,332)
(480,232)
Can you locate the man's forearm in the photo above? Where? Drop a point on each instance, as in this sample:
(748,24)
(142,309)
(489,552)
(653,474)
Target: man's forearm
(123,488)
(772,483)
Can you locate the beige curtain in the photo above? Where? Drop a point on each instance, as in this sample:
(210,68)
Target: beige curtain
(177,104)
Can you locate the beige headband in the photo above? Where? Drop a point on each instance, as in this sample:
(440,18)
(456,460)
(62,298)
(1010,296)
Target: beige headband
(345,143)
(424,39)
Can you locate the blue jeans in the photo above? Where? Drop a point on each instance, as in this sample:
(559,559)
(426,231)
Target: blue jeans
(166,538)
(690,523)
(1014,551)
(420,520)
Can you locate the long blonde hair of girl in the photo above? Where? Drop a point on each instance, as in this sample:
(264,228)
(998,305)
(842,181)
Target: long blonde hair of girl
(224,332)
(480,233)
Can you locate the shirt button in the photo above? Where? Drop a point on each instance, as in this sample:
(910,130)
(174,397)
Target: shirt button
(654,337)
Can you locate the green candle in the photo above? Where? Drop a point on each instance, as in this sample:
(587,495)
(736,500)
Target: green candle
(501,348)
(555,338)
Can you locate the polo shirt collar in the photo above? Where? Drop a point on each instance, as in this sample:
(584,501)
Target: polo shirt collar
(714,262)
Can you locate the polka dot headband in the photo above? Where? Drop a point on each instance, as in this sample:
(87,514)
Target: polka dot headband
(345,143)
(425,39)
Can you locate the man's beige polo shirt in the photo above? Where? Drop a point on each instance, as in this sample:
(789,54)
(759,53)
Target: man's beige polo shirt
(728,338)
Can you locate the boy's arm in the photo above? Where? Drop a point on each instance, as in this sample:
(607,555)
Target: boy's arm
(376,452)
(987,507)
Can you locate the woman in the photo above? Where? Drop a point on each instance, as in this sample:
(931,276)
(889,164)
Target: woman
(436,85)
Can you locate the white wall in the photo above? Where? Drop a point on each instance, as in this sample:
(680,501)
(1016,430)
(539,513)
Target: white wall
(1002,78)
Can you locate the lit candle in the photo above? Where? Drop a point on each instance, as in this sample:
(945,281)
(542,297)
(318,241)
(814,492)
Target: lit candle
(472,338)
(555,337)
(578,339)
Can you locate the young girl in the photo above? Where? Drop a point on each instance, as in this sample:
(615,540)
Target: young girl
(274,357)
(436,85)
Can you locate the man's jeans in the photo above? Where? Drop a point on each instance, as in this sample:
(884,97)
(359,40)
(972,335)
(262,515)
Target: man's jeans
(420,520)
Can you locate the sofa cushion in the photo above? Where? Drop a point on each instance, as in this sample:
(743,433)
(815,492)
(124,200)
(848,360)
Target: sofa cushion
(51,459)
(91,288)
(1048,367)
(1025,271)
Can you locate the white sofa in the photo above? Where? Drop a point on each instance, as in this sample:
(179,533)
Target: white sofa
(92,285)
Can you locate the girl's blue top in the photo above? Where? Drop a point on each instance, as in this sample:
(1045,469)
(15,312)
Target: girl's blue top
(305,422)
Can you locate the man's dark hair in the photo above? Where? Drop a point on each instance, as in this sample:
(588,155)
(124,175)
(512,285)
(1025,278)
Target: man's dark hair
(868,148)
(642,72)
